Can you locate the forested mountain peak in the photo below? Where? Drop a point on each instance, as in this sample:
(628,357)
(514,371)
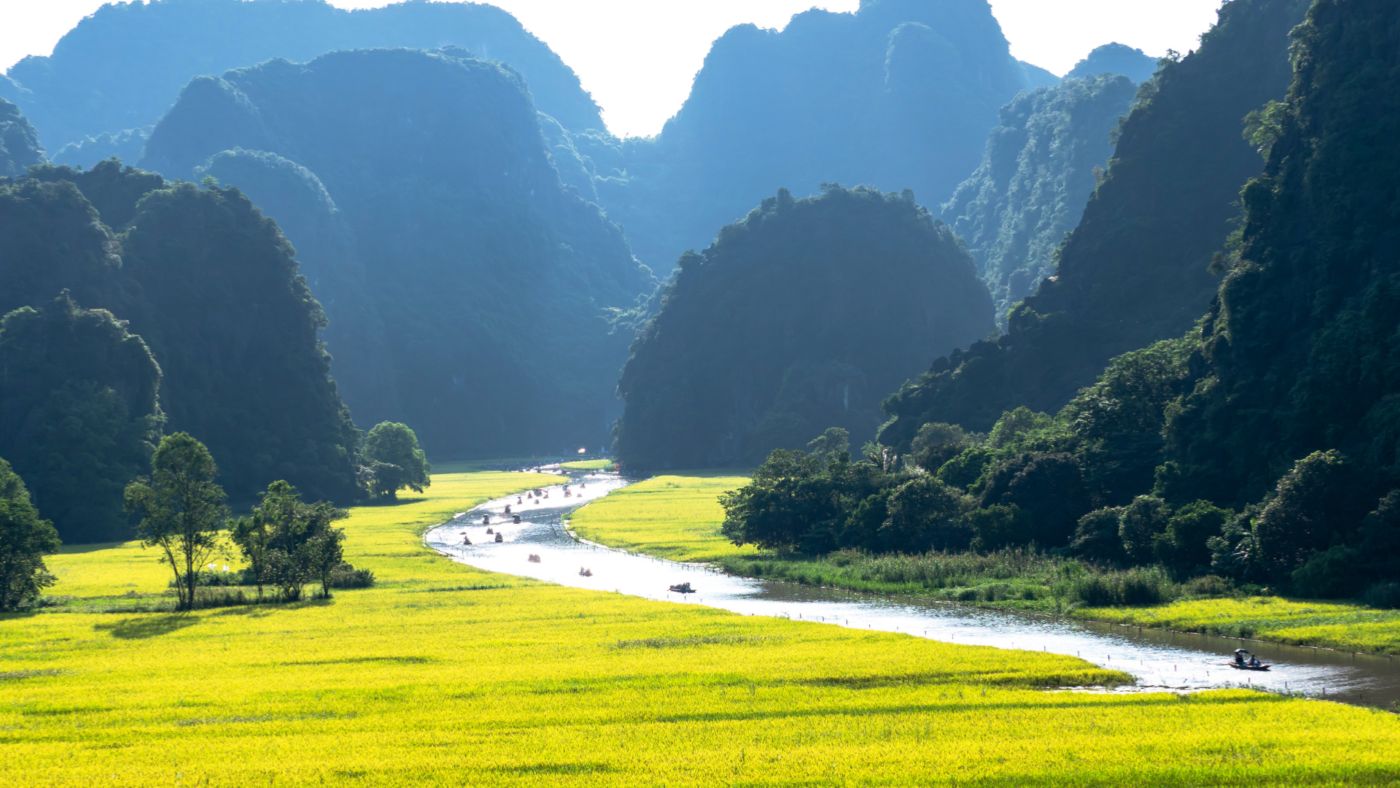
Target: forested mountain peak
(19,143)
(438,234)
(1038,171)
(1115,58)
(797,318)
(1136,268)
(898,95)
(92,84)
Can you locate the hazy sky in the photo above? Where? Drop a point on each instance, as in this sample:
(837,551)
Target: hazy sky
(637,57)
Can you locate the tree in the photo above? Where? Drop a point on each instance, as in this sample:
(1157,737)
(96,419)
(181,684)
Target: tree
(1309,508)
(937,443)
(396,461)
(24,539)
(1096,536)
(925,514)
(251,536)
(181,507)
(1142,521)
(289,542)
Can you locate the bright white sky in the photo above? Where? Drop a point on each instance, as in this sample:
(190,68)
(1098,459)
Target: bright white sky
(638,57)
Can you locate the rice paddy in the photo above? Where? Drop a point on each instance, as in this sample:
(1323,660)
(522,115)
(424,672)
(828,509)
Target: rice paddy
(675,517)
(445,674)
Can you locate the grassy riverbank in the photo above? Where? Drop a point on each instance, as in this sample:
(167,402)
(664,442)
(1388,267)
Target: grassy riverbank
(445,674)
(678,517)
(587,465)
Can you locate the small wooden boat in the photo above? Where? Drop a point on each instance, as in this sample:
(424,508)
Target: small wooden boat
(1244,660)
(682,588)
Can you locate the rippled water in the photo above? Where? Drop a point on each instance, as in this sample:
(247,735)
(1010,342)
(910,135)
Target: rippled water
(1156,658)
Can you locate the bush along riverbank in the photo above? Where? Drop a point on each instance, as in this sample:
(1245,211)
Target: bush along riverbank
(680,517)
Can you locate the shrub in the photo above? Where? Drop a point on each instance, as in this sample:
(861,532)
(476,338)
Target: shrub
(1385,595)
(1207,586)
(1131,587)
(1330,574)
(347,576)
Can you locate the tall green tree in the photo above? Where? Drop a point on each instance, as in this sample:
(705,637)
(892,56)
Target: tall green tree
(181,507)
(394,460)
(25,538)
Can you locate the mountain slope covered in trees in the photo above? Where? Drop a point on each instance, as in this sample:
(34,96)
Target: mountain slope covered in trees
(1036,175)
(211,287)
(79,413)
(899,95)
(1136,269)
(475,295)
(1260,447)
(19,143)
(124,66)
(797,318)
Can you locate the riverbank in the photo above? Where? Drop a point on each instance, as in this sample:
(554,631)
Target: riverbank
(679,516)
(443,674)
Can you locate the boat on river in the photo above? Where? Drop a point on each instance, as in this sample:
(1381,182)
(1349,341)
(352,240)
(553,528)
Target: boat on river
(1247,661)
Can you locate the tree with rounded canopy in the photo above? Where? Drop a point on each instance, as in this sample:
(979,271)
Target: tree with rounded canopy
(24,539)
(181,509)
(393,460)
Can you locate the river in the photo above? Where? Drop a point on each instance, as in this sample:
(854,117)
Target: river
(1158,659)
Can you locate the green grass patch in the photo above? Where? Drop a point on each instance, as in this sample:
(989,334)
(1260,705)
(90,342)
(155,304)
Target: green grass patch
(587,465)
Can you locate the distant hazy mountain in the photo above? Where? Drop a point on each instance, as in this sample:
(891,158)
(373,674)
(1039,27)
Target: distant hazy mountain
(469,293)
(800,317)
(19,144)
(899,95)
(1136,269)
(124,66)
(1116,59)
(1036,175)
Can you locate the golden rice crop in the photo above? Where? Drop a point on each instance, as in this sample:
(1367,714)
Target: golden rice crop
(676,517)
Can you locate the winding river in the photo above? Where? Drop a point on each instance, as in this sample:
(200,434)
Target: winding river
(1158,659)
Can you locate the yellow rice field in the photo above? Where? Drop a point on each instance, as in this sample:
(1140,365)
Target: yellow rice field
(445,674)
(675,517)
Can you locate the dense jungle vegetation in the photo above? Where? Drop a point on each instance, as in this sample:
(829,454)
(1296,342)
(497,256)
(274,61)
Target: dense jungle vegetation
(1260,447)
(800,316)
(163,305)
(1136,268)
